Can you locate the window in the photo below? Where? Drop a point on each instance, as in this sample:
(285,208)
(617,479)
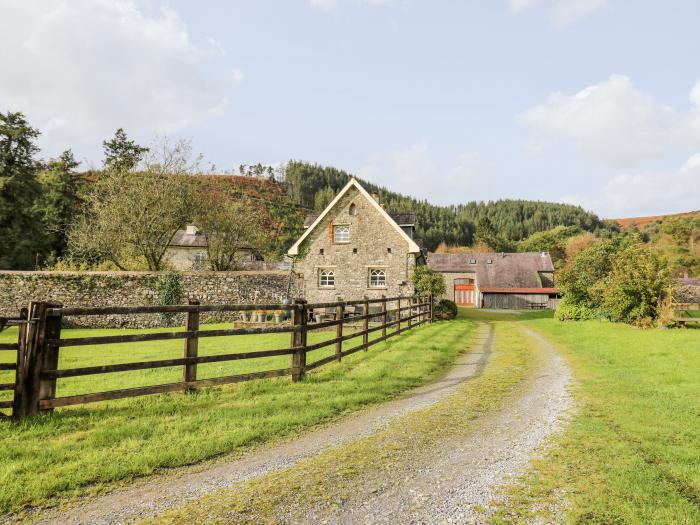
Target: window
(326,278)
(320,252)
(377,278)
(354,250)
(199,260)
(472,261)
(489,261)
(388,250)
(341,234)
(353,209)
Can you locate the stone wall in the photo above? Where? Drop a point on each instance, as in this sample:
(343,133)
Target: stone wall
(138,289)
(374,243)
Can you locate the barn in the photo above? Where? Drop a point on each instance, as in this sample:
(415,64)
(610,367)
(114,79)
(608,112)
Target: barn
(497,280)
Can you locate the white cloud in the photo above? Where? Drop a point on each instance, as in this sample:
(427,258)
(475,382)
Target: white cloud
(561,12)
(414,171)
(80,69)
(647,193)
(612,122)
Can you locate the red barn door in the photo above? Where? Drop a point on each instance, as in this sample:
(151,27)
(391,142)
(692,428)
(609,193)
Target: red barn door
(465,294)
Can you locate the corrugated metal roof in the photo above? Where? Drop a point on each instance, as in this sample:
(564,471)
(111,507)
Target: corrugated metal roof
(506,270)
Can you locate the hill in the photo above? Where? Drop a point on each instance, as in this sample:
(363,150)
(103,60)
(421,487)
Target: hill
(312,186)
(641,222)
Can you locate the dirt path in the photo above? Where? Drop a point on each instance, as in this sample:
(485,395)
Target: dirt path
(459,479)
(152,495)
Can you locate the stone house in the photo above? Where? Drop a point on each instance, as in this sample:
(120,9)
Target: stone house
(497,280)
(187,251)
(354,248)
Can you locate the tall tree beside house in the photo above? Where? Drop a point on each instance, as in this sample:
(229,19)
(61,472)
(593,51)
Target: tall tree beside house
(130,218)
(122,154)
(21,235)
(60,200)
(228,225)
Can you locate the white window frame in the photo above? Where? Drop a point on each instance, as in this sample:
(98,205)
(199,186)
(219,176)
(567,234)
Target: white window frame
(379,275)
(345,238)
(326,278)
(199,260)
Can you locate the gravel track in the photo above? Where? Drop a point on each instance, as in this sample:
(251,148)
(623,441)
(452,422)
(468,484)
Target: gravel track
(155,494)
(459,481)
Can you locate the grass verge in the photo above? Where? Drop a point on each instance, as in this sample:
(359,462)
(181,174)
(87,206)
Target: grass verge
(361,466)
(631,453)
(81,450)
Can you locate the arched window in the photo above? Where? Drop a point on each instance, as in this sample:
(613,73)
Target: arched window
(377,278)
(326,278)
(353,209)
(341,234)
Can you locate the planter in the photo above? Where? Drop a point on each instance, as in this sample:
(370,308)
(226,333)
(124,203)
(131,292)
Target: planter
(279,317)
(246,316)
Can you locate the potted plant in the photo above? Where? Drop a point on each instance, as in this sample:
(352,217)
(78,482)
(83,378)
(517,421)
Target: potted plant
(279,316)
(246,316)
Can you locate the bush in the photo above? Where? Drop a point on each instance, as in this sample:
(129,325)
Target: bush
(428,281)
(568,311)
(445,310)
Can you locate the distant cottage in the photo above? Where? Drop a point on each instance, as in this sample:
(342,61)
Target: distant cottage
(187,251)
(355,248)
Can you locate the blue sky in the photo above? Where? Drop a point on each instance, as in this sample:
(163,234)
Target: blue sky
(595,102)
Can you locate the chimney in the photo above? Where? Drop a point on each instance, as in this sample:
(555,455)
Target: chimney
(382,205)
(191,229)
(544,254)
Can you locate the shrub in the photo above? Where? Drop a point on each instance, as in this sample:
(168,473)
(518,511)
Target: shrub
(445,310)
(568,311)
(428,281)
(635,287)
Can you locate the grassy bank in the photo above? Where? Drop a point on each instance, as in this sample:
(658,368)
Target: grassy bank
(82,449)
(632,451)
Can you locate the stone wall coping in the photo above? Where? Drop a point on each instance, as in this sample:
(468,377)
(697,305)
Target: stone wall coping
(51,273)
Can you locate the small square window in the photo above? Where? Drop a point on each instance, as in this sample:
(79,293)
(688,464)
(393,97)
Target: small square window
(489,261)
(341,234)
(388,250)
(472,261)
(320,252)
(326,278)
(354,250)
(377,278)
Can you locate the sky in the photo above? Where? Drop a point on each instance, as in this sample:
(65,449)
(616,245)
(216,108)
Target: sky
(590,102)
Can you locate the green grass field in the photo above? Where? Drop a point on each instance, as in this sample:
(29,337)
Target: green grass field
(631,453)
(78,450)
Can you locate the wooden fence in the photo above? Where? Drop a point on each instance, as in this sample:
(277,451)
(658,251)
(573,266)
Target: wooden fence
(682,313)
(39,344)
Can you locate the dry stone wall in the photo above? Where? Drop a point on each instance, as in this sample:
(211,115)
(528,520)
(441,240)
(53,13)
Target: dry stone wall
(140,288)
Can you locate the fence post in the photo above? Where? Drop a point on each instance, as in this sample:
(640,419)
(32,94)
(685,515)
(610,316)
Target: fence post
(431,316)
(189,372)
(339,316)
(411,303)
(365,324)
(49,352)
(19,392)
(38,355)
(384,316)
(298,358)
(398,316)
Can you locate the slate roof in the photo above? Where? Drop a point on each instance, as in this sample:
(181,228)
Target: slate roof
(402,219)
(182,238)
(506,270)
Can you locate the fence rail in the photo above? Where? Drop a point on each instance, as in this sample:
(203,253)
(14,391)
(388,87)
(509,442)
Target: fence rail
(39,343)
